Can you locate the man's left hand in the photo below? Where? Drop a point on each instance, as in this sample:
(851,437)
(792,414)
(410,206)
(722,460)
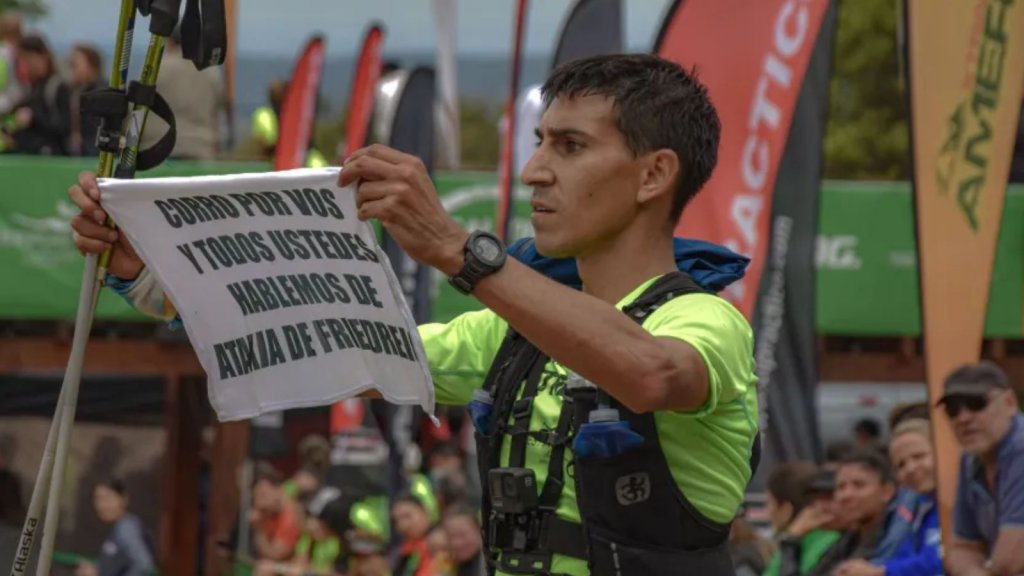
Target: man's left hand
(395,189)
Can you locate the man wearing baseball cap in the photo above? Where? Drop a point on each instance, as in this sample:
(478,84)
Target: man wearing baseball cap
(989,510)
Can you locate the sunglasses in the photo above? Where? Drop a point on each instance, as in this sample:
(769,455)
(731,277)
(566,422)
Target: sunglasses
(955,404)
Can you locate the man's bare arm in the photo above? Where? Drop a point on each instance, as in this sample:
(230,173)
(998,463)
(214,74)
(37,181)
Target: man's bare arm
(966,558)
(592,338)
(1008,553)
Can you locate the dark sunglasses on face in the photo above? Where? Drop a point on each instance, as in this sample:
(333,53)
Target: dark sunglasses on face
(955,404)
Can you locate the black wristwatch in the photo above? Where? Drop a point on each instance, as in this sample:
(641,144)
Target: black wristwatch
(485,255)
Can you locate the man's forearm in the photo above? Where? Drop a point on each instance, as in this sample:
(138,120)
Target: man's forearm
(963,562)
(592,338)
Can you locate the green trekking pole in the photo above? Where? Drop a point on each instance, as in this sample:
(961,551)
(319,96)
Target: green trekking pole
(118,141)
(163,18)
(68,394)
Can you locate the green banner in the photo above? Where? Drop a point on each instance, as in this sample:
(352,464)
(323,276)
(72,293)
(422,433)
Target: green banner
(867,263)
(867,269)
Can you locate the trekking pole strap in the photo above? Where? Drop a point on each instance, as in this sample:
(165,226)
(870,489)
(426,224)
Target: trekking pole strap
(204,36)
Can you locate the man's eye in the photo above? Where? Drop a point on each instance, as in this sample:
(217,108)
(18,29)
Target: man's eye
(572,146)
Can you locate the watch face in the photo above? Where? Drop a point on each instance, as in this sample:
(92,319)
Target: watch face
(487,249)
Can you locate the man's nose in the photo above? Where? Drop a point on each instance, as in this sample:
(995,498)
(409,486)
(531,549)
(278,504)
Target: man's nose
(536,171)
(964,417)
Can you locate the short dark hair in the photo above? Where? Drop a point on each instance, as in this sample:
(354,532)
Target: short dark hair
(265,471)
(658,105)
(789,483)
(115,485)
(874,461)
(35,44)
(462,508)
(909,411)
(409,497)
(838,450)
(868,426)
(92,56)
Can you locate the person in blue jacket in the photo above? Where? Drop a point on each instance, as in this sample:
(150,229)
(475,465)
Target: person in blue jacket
(918,552)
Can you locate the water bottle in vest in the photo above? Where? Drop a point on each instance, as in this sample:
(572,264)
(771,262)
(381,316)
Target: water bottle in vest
(480,409)
(604,434)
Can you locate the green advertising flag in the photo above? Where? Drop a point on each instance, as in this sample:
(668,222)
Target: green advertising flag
(866,253)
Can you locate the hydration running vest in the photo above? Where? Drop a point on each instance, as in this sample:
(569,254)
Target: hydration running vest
(635,518)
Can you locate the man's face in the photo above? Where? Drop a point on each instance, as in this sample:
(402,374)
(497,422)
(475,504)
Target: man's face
(464,539)
(266,497)
(912,456)
(981,421)
(411,521)
(584,177)
(82,73)
(34,65)
(860,495)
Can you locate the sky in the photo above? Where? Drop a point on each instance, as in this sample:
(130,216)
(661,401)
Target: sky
(279,27)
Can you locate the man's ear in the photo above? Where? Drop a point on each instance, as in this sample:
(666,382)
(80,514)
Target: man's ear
(658,178)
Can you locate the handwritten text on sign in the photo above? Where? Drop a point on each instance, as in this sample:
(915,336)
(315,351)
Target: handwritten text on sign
(286,296)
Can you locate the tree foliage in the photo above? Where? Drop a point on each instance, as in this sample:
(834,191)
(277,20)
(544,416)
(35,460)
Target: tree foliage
(868,132)
(479,138)
(27,7)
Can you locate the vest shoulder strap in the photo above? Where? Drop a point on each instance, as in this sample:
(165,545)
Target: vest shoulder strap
(661,291)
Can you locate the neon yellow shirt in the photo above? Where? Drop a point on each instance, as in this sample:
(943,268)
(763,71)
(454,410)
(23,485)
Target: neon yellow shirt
(708,450)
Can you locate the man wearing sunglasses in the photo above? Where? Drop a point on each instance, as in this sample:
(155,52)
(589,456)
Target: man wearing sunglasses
(989,510)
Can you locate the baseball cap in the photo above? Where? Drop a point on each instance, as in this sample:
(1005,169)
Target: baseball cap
(974,380)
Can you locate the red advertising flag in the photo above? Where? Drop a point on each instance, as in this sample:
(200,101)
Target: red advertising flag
(752,56)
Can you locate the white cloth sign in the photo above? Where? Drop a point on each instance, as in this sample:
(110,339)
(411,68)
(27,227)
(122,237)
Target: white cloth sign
(286,297)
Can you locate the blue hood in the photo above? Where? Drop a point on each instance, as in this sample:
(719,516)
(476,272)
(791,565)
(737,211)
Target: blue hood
(713,267)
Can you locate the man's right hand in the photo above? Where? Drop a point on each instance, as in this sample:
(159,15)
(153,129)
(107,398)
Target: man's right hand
(808,520)
(91,236)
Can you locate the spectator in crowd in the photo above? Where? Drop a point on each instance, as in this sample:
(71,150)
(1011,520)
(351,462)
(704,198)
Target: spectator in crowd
(264,123)
(127,550)
(864,487)
(451,489)
(909,411)
(798,515)
(366,539)
(446,468)
(370,562)
(867,434)
(42,122)
(918,550)
(10,84)
(465,543)
(836,452)
(313,455)
(750,552)
(274,516)
(86,75)
(440,559)
(989,510)
(412,522)
(197,99)
(445,460)
(319,548)
(303,485)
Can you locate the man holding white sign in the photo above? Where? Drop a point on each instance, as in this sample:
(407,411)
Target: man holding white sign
(654,409)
